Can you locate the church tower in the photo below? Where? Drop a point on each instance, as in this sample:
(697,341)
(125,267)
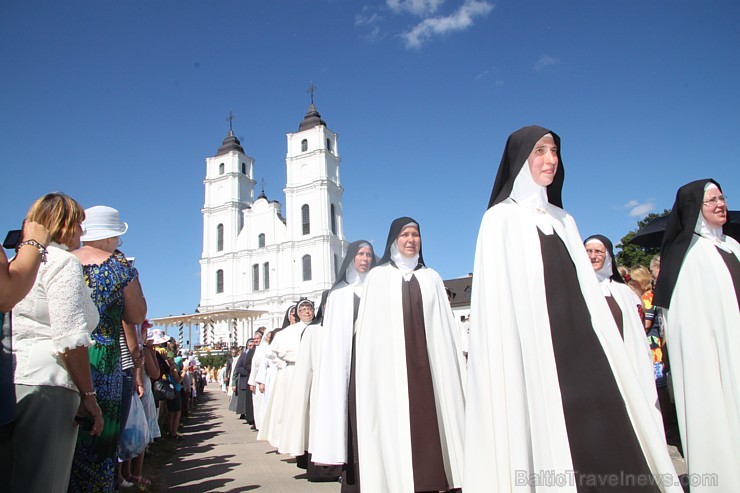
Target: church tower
(313,200)
(229,190)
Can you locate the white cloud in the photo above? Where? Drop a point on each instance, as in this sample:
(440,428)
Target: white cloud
(638,209)
(460,20)
(544,62)
(370,19)
(367,17)
(416,7)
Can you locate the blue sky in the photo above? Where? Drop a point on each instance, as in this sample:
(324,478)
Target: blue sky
(120,102)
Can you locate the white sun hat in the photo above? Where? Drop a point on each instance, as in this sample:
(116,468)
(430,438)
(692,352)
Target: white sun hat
(102,222)
(157,336)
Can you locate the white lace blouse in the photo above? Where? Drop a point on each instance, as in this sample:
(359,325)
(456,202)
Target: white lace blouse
(57,314)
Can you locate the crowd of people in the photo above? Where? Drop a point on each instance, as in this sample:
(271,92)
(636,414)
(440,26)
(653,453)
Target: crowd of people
(81,368)
(572,373)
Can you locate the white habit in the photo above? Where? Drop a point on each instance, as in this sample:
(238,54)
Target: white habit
(515,424)
(383,424)
(702,328)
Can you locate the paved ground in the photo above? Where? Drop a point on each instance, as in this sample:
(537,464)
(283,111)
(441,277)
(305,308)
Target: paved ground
(221,454)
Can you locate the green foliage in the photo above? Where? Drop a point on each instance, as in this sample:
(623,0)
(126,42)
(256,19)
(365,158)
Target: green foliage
(633,255)
(212,360)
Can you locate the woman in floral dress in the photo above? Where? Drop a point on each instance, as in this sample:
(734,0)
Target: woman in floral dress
(118,296)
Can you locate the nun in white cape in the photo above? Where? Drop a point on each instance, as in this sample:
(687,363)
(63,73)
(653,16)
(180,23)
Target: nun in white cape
(328,436)
(296,418)
(258,401)
(284,351)
(409,374)
(623,300)
(698,289)
(550,387)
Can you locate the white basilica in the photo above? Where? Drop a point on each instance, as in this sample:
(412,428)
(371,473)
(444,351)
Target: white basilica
(257,256)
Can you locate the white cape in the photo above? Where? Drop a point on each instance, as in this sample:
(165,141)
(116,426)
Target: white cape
(702,330)
(284,351)
(515,427)
(383,425)
(329,435)
(258,403)
(266,376)
(637,346)
(296,425)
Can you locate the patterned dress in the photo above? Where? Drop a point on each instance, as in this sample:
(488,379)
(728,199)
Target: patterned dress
(94,465)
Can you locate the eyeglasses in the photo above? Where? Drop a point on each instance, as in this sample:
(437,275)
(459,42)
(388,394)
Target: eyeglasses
(598,253)
(715,200)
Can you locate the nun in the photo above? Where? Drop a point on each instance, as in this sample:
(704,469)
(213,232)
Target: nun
(284,350)
(294,436)
(553,401)
(264,379)
(328,438)
(258,396)
(410,374)
(698,289)
(623,304)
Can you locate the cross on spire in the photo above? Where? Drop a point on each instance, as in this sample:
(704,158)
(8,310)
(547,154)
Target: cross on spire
(311,90)
(263,186)
(231,119)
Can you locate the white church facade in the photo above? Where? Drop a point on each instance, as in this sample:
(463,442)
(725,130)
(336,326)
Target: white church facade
(259,256)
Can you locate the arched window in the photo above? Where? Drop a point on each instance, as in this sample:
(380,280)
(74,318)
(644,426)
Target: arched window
(328,144)
(261,240)
(219,237)
(333,220)
(306,267)
(266,274)
(256,277)
(221,169)
(306,219)
(244,168)
(219,281)
(304,145)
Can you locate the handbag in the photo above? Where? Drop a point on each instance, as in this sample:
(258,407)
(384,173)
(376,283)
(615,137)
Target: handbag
(163,390)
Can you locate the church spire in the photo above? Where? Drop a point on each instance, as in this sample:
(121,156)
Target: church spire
(312,118)
(230,143)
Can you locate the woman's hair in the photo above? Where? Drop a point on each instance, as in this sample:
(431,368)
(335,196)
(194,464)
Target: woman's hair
(60,214)
(641,276)
(624,272)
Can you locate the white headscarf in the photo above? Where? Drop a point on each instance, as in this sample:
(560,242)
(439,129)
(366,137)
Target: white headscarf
(529,194)
(406,265)
(704,229)
(355,279)
(604,275)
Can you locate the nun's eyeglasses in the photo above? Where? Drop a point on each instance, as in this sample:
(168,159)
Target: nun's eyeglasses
(715,200)
(598,253)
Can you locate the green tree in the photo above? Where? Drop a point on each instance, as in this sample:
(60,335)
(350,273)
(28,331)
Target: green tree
(633,255)
(213,360)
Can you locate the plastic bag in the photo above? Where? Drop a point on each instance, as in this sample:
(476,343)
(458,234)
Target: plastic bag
(135,436)
(150,411)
